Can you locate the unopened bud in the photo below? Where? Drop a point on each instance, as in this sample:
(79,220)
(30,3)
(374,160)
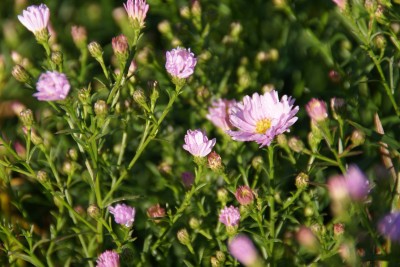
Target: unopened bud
(301,180)
(84,96)
(140,98)
(20,74)
(68,167)
(94,211)
(79,36)
(36,139)
(57,58)
(194,223)
(380,41)
(183,237)
(154,93)
(196,8)
(338,106)
(95,50)
(296,144)
(214,161)
(370,6)
(222,195)
(101,108)
(282,140)
(334,76)
(257,162)
(156,211)
(185,12)
(215,262)
(42,177)
(338,229)
(73,154)
(220,256)
(26,117)
(357,138)
(121,48)
(164,27)
(380,15)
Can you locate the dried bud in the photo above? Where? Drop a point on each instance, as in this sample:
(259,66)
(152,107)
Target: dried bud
(20,74)
(57,58)
(338,106)
(79,36)
(296,144)
(26,117)
(301,180)
(214,161)
(94,211)
(183,237)
(100,108)
(357,137)
(244,195)
(338,229)
(140,98)
(194,223)
(95,50)
(156,212)
(42,177)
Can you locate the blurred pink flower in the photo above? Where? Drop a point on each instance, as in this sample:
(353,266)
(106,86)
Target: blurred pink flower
(244,195)
(108,259)
(357,183)
(218,113)
(123,214)
(230,216)
(317,110)
(197,143)
(35,18)
(261,117)
(137,10)
(180,62)
(340,3)
(52,86)
(389,226)
(242,248)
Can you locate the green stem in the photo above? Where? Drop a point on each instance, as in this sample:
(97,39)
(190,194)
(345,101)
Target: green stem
(272,215)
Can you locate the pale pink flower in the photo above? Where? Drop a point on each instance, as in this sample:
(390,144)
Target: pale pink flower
(317,110)
(123,214)
(218,113)
(357,183)
(108,258)
(35,18)
(242,248)
(389,226)
(262,117)
(197,143)
(337,188)
(230,216)
(52,86)
(340,3)
(137,10)
(180,62)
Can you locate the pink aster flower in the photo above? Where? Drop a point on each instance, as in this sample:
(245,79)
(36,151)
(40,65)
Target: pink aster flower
(180,62)
(357,183)
(317,110)
(389,226)
(230,216)
(242,248)
(262,117)
(108,258)
(197,143)
(52,86)
(35,18)
(137,10)
(218,113)
(123,214)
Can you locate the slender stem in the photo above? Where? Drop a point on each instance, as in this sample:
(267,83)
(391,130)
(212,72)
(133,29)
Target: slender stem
(271,174)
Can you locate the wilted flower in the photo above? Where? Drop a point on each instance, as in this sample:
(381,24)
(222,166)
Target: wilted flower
(389,226)
(180,62)
(137,10)
(52,86)
(261,117)
(214,161)
(230,216)
(156,211)
(197,143)
(108,258)
(317,110)
(123,214)
(244,195)
(218,113)
(242,248)
(187,178)
(36,19)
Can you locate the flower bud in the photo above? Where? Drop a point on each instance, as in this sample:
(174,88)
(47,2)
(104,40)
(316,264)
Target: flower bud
(296,144)
(244,195)
(156,212)
(338,106)
(165,27)
(194,223)
(380,15)
(42,177)
(380,41)
(306,238)
(338,229)
(214,161)
(282,140)
(183,237)
(73,154)
(95,50)
(317,110)
(79,36)
(57,58)
(36,139)
(215,262)
(357,137)
(26,117)
(301,180)
(20,74)
(94,211)
(140,98)
(220,256)
(100,108)
(257,162)
(222,195)
(121,48)
(68,167)
(84,96)
(334,76)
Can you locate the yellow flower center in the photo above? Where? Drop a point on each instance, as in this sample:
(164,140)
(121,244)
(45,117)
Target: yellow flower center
(262,126)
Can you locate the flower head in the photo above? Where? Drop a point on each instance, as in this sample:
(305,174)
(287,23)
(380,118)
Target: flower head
(261,117)
(244,195)
(108,258)
(218,113)
(357,183)
(340,3)
(180,62)
(35,18)
(230,216)
(317,110)
(137,10)
(242,248)
(197,143)
(123,214)
(52,86)
(156,211)
(389,226)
